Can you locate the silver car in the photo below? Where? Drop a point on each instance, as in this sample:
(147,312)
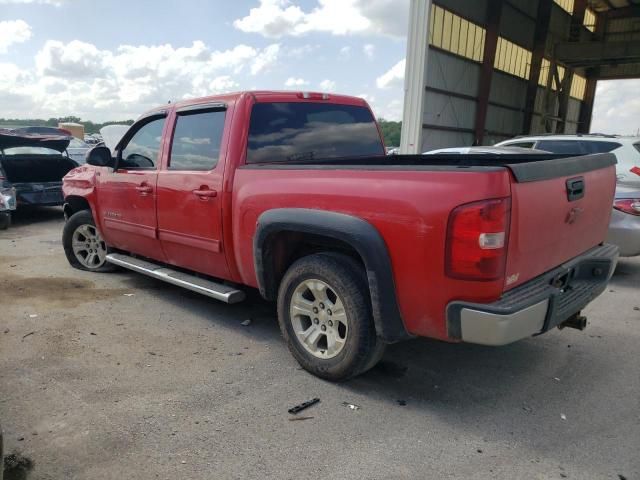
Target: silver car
(624,229)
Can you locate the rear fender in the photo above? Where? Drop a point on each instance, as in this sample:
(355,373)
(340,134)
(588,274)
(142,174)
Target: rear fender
(359,234)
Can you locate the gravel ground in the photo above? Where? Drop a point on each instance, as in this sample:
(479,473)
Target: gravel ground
(120,376)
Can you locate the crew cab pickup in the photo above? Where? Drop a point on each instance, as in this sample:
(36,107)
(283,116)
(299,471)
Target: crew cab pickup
(292,194)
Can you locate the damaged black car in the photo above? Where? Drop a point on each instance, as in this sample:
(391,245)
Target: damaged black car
(32,167)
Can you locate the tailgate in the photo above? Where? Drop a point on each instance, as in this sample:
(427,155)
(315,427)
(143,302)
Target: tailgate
(560,209)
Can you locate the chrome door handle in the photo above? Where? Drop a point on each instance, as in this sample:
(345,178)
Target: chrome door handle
(144,189)
(206,193)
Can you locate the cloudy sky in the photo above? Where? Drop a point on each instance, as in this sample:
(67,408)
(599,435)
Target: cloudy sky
(114,59)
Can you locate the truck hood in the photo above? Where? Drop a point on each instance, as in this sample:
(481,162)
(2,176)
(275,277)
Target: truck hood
(12,139)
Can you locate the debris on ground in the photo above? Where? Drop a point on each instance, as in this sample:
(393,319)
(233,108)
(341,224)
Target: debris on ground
(129,294)
(636,308)
(402,403)
(303,406)
(527,408)
(563,416)
(6,330)
(556,379)
(27,335)
(295,419)
(17,466)
(92,333)
(351,406)
(246,322)
(33,315)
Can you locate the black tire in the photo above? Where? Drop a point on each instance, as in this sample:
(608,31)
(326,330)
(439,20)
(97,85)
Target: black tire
(5,220)
(76,221)
(346,277)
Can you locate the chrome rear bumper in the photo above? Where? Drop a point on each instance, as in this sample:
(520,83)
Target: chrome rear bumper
(537,306)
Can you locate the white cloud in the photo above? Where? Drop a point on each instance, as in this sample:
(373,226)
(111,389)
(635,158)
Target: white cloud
(369,51)
(77,78)
(616,107)
(55,3)
(13,31)
(295,82)
(345,52)
(327,85)
(393,77)
(266,59)
(223,84)
(276,18)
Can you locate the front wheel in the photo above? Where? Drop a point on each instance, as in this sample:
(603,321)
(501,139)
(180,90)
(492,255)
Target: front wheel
(84,247)
(325,316)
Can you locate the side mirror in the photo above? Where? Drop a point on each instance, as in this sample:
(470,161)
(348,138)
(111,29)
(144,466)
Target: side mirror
(100,157)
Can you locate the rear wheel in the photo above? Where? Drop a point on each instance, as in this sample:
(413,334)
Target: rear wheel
(84,247)
(325,316)
(5,220)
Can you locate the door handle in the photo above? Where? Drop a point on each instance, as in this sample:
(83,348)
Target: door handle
(205,193)
(144,189)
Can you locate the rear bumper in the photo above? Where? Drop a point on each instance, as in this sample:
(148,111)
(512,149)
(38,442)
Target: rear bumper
(43,194)
(537,306)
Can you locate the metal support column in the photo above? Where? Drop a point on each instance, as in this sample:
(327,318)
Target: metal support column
(586,109)
(415,77)
(539,45)
(577,21)
(494,12)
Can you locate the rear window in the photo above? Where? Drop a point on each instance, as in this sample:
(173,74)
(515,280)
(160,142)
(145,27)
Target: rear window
(600,147)
(637,145)
(290,132)
(561,146)
(520,144)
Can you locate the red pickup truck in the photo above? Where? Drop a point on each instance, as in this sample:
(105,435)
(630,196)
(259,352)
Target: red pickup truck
(292,194)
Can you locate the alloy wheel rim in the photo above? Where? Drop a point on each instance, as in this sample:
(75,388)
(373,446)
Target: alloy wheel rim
(88,246)
(318,318)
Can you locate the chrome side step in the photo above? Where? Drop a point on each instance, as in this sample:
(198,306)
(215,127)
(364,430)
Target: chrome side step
(211,289)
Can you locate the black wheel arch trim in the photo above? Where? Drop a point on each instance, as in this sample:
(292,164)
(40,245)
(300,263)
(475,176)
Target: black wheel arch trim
(359,234)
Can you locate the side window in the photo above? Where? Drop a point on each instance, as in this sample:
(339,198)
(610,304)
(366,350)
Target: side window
(599,147)
(561,146)
(521,144)
(143,148)
(196,141)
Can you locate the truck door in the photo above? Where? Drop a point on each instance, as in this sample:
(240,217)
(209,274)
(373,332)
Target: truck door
(190,191)
(127,196)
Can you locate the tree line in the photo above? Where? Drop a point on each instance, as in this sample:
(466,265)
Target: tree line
(390,130)
(89,126)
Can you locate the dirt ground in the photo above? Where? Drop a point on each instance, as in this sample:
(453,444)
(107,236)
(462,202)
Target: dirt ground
(118,376)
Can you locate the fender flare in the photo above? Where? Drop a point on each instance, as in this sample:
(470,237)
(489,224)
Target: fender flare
(354,231)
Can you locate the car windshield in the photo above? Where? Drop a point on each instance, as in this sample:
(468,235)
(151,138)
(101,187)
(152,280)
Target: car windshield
(29,151)
(637,146)
(76,143)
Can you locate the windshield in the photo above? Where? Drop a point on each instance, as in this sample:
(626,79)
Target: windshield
(290,132)
(30,151)
(76,143)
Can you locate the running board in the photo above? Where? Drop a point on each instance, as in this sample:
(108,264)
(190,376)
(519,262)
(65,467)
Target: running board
(211,289)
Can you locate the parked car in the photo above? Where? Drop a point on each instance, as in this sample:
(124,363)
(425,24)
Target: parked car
(484,150)
(624,229)
(77,150)
(292,193)
(626,150)
(34,165)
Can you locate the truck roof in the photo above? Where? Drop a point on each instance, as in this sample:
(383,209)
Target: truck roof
(266,96)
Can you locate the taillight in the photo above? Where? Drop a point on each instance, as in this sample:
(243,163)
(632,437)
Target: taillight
(636,170)
(477,237)
(628,205)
